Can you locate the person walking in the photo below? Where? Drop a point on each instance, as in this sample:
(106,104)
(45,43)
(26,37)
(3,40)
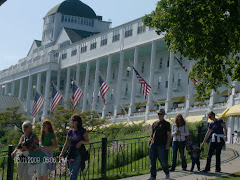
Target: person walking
(77,136)
(216,142)
(179,132)
(48,143)
(195,154)
(159,144)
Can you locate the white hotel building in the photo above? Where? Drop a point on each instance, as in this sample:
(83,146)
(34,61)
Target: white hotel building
(76,44)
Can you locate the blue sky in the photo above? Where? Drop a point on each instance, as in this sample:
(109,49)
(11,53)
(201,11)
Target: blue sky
(21,21)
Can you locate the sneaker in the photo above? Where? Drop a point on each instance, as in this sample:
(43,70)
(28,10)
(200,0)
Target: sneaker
(168,176)
(184,169)
(171,169)
(217,170)
(199,169)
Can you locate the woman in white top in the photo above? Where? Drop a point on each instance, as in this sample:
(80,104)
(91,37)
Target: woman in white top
(179,132)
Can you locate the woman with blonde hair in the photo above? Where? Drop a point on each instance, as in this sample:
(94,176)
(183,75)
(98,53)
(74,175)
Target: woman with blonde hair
(29,156)
(179,132)
(48,143)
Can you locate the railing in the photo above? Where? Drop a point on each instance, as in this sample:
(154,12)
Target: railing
(111,159)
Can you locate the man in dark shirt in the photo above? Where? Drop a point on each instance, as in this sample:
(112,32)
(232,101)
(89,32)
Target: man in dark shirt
(159,145)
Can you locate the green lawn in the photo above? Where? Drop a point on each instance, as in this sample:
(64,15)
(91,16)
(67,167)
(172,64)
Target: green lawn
(234,176)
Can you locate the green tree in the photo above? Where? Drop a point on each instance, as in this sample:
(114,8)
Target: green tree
(61,120)
(205,31)
(12,117)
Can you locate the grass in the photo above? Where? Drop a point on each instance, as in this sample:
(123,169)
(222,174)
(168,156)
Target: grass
(234,176)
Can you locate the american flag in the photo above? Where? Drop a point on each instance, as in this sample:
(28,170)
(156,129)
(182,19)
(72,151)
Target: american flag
(37,104)
(76,94)
(184,68)
(145,88)
(103,89)
(56,98)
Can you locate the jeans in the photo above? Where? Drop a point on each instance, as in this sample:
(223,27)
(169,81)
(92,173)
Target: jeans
(195,161)
(158,151)
(74,166)
(181,147)
(218,147)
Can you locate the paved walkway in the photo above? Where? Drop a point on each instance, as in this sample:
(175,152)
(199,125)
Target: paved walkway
(230,164)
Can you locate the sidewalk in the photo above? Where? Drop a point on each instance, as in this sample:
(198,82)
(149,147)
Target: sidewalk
(230,163)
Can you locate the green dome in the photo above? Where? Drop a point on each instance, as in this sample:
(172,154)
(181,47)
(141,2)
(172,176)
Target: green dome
(73,8)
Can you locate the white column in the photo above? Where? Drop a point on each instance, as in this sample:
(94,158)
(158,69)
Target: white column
(109,66)
(67,86)
(119,84)
(46,97)
(169,102)
(190,97)
(212,99)
(152,65)
(20,94)
(95,90)
(86,88)
(58,78)
(13,88)
(132,107)
(232,102)
(6,89)
(1,89)
(77,74)
(29,94)
(39,76)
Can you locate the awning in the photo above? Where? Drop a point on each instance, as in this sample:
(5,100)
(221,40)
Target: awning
(221,115)
(194,119)
(234,111)
(178,99)
(170,120)
(160,101)
(143,104)
(224,93)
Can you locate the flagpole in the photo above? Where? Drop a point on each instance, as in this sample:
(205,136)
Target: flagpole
(91,105)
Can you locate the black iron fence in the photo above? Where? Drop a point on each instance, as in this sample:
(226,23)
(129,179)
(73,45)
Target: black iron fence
(108,159)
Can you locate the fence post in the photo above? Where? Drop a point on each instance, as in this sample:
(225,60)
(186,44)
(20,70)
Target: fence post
(10,164)
(104,157)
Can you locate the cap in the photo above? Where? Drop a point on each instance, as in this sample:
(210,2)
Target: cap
(161,111)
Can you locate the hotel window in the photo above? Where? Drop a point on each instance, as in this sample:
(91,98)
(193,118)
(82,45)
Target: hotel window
(141,28)
(93,44)
(55,56)
(142,67)
(116,36)
(69,18)
(112,94)
(166,85)
(74,52)
(81,20)
(113,75)
(64,56)
(83,47)
(159,82)
(103,40)
(160,63)
(126,90)
(179,79)
(128,31)
(168,61)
